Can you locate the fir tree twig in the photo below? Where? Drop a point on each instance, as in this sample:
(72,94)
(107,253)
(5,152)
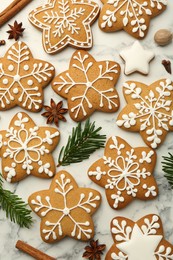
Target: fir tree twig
(81,144)
(168,168)
(14,207)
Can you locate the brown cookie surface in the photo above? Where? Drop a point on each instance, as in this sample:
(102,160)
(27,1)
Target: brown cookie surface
(149,110)
(142,240)
(65,209)
(26,149)
(125,173)
(88,85)
(132,16)
(22,78)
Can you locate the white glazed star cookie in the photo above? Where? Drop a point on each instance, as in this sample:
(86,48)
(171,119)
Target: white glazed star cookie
(132,16)
(65,22)
(22,78)
(65,209)
(149,110)
(26,149)
(136,59)
(141,240)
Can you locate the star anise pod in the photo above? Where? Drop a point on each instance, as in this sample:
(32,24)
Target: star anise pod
(94,251)
(16,31)
(55,112)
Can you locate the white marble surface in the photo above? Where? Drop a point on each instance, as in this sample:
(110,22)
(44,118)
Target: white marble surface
(106,46)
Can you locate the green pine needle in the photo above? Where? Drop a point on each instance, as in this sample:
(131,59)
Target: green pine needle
(14,207)
(81,144)
(168,168)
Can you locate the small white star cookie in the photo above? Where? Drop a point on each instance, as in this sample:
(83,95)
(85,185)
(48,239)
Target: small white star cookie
(137,59)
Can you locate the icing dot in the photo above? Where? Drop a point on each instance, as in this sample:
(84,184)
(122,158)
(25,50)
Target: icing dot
(15,91)
(26,67)
(89,84)
(5,81)
(30,82)
(66,211)
(11,67)
(16,78)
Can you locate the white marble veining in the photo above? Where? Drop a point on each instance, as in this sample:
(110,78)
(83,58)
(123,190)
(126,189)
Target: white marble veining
(106,46)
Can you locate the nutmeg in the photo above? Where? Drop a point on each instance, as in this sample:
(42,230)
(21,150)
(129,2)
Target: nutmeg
(163,37)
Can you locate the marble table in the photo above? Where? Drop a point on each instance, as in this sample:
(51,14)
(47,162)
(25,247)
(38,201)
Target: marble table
(106,46)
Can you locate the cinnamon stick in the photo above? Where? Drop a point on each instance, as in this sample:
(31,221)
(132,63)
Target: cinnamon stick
(35,253)
(9,12)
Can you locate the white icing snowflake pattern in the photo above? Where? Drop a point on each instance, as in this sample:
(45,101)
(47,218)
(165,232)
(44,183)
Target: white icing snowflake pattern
(97,80)
(65,22)
(133,14)
(151,110)
(123,171)
(23,149)
(146,235)
(57,205)
(23,78)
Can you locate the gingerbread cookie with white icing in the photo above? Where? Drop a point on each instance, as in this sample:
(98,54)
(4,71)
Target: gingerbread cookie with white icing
(132,16)
(141,240)
(22,78)
(88,85)
(149,110)
(26,149)
(65,23)
(65,209)
(126,173)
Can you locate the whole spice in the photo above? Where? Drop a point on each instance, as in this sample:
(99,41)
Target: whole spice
(167,66)
(55,112)
(35,253)
(94,251)
(2,42)
(16,31)
(163,37)
(11,10)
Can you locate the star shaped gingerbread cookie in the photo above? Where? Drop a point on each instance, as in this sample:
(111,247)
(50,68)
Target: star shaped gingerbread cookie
(26,149)
(22,78)
(149,110)
(132,16)
(65,209)
(142,240)
(126,173)
(65,22)
(88,85)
